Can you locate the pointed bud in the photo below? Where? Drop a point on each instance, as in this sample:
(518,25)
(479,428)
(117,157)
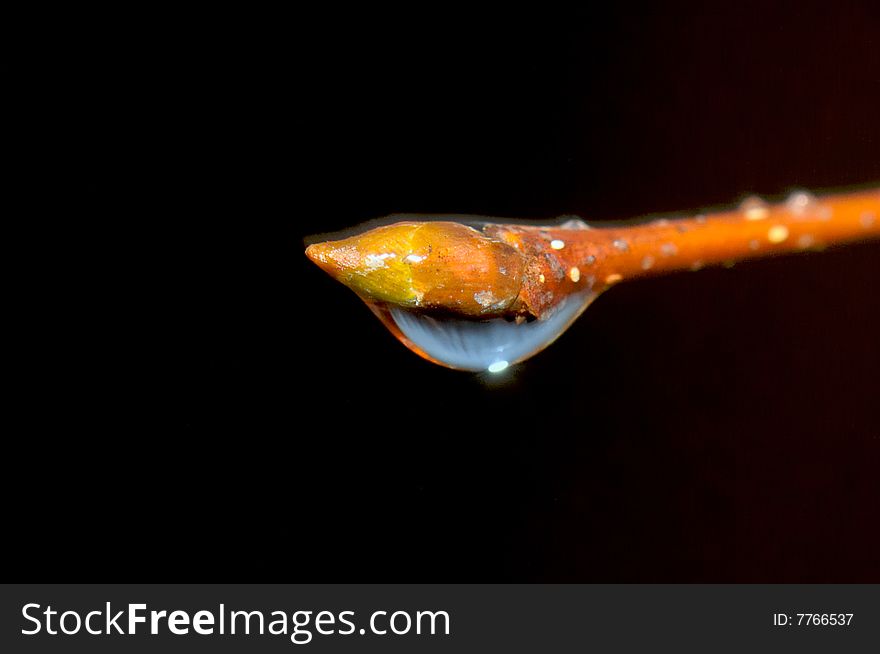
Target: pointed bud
(433,265)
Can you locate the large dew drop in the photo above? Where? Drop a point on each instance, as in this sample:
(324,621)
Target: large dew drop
(479,345)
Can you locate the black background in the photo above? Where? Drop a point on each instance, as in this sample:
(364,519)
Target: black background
(211,407)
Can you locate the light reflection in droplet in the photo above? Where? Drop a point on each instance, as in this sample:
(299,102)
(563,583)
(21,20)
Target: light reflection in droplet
(498,366)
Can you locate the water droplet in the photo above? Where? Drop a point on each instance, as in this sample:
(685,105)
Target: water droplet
(647,262)
(754,244)
(669,249)
(754,208)
(777,234)
(867,219)
(613,278)
(479,344)
(590,260)
(574,223)
(800,202)
(556,244)
(620,244)
(574,274)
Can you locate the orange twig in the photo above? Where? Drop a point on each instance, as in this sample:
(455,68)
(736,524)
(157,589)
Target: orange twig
(547,275)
